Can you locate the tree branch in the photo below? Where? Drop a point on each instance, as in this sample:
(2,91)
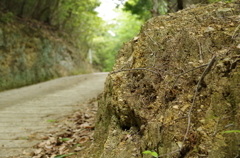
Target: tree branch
(207,69)
(135,69)
(205,72)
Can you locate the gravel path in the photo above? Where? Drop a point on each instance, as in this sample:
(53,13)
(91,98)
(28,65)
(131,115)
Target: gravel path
(30,110)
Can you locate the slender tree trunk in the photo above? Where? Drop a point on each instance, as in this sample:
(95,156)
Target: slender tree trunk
(37,7)
(53,11)
(172,6)
(155,11)
(187,3)
(63,25)
(3,4)
(179,4)
(22,9)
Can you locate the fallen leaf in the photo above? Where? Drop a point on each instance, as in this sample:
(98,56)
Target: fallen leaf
(78,149)
(64,139)
(83,139)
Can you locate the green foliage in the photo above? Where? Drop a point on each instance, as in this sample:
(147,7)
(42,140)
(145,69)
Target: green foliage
(143,8)
(64,155)
(78,23)
(105,46)
(74,21)
(24,138)
(7,17)
(153,153)
(50,120)
(65,139)
(212,1)
(232,131)
(78,145)
(140,8)
(77,18)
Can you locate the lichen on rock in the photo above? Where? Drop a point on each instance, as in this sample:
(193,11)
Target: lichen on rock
(150,92)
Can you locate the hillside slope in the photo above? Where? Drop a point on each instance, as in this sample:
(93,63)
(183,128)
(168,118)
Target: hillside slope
(175,89)
(33,52)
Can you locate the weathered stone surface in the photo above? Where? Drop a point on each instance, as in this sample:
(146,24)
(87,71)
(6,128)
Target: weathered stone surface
(151,90)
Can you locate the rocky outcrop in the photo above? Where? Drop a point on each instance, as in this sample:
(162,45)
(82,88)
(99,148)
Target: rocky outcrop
(174,88)
(31,52)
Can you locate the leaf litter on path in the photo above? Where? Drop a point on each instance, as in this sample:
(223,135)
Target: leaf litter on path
(70,136)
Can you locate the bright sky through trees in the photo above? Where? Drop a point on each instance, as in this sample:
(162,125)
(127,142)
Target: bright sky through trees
(107,12)
(117,27)
(106,9)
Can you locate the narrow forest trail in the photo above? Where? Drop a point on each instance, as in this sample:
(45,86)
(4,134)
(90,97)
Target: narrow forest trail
(29,110)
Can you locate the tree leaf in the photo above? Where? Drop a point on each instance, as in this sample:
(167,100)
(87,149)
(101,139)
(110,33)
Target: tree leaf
(24,138)
(59,156)
(154,154)
(50,120)
(147,152)
(63,156)
(65,139)
(77,145)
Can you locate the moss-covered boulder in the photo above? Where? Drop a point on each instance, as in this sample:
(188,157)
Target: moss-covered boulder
(175,88)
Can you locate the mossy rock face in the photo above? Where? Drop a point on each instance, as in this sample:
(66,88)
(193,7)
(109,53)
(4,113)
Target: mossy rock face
(146,100)
(30,56)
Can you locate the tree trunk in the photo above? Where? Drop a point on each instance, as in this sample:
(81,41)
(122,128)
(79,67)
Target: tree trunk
(172,6)
(155,11)
(179,4)
(187,3)
(63,25)
(20,14)
(37,7)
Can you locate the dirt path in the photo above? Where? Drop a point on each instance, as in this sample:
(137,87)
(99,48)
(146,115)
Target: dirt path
(28,110)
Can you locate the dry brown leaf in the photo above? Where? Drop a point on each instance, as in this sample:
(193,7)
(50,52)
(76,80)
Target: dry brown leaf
(85,124)
(38,151)
(41,144)
(89,127)
(83,139)
(44,137)
(48,147)
(78,128)
(78,149)
(62,149)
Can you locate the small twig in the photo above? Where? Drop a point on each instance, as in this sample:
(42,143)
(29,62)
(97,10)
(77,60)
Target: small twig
(229,125)
(170,8)
(200,51)
(154,42)
(207,69)
(201,155)
(236,156)
(192,70)
(205,72)
(174,120)
(135,69)
(120,70)
(143,101)
(216,127)
(235,31)
(178,76)
(167,72)
(173,152)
